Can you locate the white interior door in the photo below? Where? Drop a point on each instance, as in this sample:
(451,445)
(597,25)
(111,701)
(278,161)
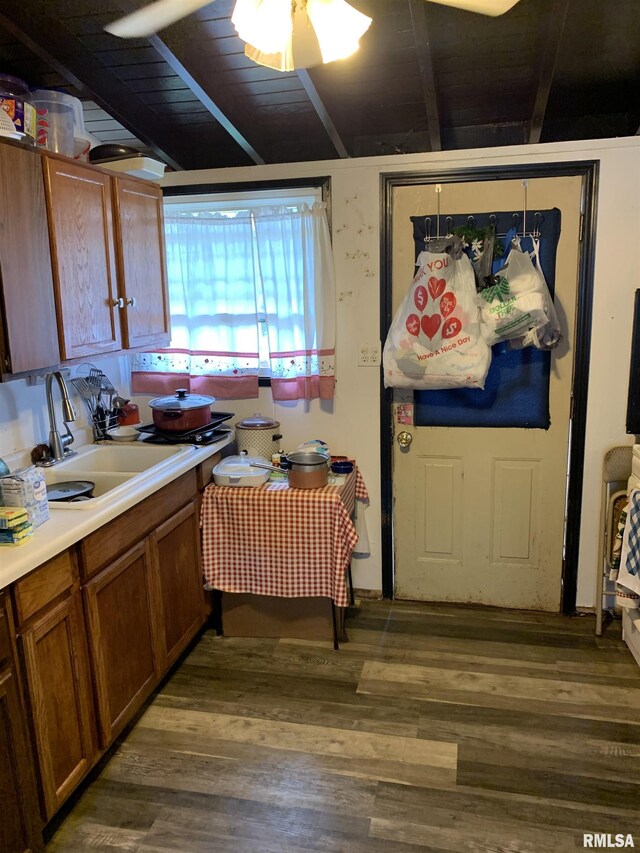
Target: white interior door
(479,513)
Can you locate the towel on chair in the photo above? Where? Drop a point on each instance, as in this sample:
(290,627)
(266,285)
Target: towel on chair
(629,573)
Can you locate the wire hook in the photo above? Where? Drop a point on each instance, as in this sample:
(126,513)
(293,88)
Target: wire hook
(427,229)
(449,224)
(525,187)
(438,194)
(537,222)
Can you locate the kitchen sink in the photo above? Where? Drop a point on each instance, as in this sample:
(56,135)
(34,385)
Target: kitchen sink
(112,469)
(116,459)
(103,482)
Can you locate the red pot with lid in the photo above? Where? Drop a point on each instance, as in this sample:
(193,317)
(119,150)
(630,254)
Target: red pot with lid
(182,411)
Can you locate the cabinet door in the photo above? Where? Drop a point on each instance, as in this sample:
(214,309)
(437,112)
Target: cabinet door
(18,829)
(59,688)
(81,228)
(178,582)
(28,335)
(121,638)
(141,263)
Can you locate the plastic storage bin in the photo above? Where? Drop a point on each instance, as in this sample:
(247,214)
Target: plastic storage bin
(55,121)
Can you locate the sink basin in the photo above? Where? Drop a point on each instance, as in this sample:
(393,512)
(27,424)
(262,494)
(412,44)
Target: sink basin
(114,470)
(104,482)
(107,458)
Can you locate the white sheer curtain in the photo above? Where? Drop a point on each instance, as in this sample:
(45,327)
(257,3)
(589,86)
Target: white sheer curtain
(212,298)
(228,274)
(296,270)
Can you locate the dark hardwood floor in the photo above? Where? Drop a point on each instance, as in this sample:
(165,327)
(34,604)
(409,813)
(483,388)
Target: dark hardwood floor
(436,728)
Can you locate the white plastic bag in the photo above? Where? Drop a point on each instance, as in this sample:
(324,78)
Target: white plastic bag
(434,341)
(518,307)
(545,337)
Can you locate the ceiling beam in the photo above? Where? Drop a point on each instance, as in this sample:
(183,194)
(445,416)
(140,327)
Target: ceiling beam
(549,57)
(323,113)
(418,10)
(174,51)
(60,49)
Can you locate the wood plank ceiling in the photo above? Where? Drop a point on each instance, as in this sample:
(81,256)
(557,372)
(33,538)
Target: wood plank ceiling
(426,78)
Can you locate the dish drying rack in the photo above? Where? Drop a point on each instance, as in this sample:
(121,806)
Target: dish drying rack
(100,398)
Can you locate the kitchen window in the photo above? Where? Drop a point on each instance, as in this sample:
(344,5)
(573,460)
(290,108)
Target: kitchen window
(251,294)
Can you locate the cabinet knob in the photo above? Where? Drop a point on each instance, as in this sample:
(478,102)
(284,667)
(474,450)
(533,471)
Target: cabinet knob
(118,303)
(130,300)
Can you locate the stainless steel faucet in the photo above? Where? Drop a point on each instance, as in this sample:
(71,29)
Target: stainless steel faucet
(59,444)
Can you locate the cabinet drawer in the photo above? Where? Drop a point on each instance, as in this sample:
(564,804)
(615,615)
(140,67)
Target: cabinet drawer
(41,587)
(111,541)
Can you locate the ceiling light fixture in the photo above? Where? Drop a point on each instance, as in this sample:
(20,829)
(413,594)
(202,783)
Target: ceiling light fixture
(290,34)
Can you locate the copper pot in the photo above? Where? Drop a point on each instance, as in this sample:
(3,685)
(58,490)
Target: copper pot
(307,470)
(182,412)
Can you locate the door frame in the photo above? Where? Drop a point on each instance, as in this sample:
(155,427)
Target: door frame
(589,171)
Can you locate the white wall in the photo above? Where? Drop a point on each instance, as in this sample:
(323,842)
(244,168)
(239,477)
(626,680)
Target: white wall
(24,421)
(353,425)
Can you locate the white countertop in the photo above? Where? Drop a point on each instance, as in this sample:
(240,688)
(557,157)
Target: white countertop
(65,527)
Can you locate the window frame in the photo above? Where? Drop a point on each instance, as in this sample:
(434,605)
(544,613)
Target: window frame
(189,191)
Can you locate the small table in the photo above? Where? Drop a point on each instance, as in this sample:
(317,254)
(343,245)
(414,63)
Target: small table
(280,542)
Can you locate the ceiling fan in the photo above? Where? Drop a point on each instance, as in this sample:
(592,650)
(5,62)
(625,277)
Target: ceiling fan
(162,13)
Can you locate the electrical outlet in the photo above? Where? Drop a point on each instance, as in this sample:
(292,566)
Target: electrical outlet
(369,355)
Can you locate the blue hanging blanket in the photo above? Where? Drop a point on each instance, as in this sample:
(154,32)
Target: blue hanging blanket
(516,392)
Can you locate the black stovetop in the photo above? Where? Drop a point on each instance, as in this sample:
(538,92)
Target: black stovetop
(201,436)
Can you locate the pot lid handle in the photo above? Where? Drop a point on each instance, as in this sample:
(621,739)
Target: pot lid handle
(181,393)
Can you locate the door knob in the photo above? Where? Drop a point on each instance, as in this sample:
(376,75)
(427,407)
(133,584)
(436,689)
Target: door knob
(404,438)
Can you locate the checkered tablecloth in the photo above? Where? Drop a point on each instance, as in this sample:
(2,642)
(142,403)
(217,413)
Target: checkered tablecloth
(273,540)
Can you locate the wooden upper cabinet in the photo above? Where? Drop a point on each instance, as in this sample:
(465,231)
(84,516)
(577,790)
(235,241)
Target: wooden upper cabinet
(79,199)
(28,331)
(141,263)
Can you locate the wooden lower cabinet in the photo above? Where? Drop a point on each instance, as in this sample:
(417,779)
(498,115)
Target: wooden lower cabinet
(20,821)
(18,831)
(59,688)
(177,577)
(93,652)
(122,643)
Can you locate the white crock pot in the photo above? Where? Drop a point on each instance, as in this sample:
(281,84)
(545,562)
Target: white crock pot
(258,436)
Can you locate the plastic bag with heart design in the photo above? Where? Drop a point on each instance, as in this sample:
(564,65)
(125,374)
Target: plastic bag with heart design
(434,341)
